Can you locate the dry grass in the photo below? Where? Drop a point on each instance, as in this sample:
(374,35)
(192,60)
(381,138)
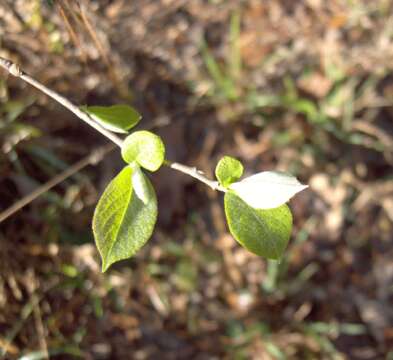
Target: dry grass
(301,86)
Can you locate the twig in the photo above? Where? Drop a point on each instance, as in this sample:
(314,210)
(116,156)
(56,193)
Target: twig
(113,74)
(14,69)
(196,174)
(25,313)
(14,13)
(32,285)
(74,37)
(92,158)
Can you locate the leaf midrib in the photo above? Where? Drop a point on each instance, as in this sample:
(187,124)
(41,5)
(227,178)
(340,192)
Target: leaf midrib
(122,218)
(266,229)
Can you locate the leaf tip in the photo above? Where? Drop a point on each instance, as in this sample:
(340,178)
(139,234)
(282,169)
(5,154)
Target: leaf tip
(303,187)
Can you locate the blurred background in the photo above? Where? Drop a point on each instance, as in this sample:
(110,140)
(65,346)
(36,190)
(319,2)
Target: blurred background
(301,86)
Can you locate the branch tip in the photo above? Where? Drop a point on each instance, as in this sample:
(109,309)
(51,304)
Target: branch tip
(11,67)
(14,70)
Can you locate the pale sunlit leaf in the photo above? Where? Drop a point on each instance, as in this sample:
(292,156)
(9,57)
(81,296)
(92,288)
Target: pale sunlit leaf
(268,189)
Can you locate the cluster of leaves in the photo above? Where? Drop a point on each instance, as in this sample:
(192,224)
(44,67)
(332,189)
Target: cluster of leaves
(126,214)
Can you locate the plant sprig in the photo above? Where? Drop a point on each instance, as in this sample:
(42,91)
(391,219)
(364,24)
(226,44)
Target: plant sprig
(126,213)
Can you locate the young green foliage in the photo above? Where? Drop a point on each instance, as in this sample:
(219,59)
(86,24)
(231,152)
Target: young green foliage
(139,182)
(267,189)
(125,216)
(116,118)
(144,147)
(263,232)
(126,213)
(228,170)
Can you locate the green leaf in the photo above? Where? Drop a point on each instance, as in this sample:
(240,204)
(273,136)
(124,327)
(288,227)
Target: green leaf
(122,221)
(116,118)
(263,232)
(228,170)
(144,147)
(140,184)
